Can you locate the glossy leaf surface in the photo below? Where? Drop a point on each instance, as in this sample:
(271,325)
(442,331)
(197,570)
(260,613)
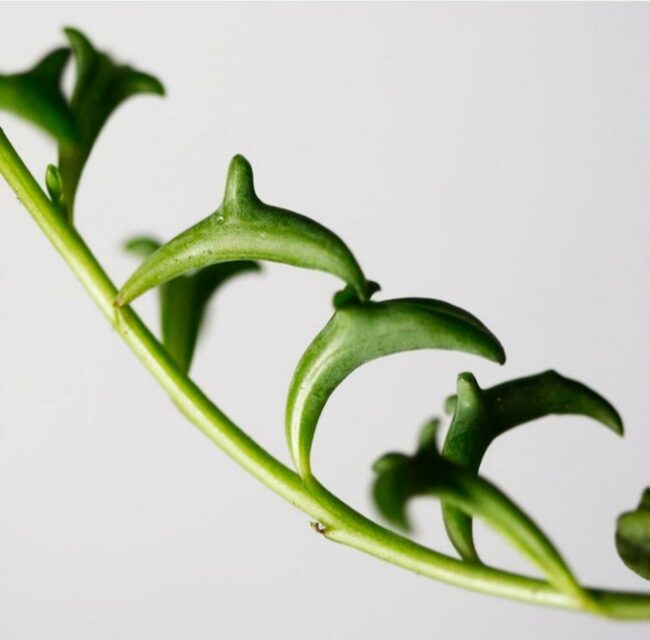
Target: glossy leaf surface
(358,333)
(36,95)
(633,537)
(481,415)
(244,228)
(183,301)
(400,477)
(101,86)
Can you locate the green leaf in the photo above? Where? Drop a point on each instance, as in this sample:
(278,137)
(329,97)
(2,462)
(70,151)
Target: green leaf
(183,301)
(142,246)
(480,415)
(36,96)
(54,186)
(633,537)
(101,86)
(244,228)
(400,477)
(358,333)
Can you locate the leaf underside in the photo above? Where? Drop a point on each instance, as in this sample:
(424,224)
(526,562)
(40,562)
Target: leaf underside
(184,300)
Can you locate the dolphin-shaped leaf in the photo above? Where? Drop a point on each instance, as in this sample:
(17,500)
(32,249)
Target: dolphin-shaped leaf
(400,477)
(244,228)
(183,300)
(36,95)
(358,333)
(101,86)
(633,537)
(480,415)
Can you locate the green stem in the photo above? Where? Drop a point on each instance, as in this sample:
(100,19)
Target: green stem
(340,523)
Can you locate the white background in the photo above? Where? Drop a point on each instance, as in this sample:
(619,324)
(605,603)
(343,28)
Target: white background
(496,156)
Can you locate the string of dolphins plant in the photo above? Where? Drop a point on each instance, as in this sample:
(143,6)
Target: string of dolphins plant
(243,230)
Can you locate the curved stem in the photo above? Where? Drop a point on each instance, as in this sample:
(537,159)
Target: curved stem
(340,522)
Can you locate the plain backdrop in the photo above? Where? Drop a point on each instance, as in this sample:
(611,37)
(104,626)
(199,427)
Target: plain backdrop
(495,156)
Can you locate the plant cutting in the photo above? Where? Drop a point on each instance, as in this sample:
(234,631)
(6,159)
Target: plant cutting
(244,231)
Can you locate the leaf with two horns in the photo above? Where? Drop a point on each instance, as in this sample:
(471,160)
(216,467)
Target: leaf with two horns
(183,301)
(36,95)
(400,477)
(360,332)
(244,228)
(101,86)
(481,415)
(633,537)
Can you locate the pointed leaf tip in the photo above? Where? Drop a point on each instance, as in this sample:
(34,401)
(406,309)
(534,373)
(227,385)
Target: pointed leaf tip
(140,82)
(52,65)
(429,435)
(467,387)
(239,183)
(77,38)
(645,500)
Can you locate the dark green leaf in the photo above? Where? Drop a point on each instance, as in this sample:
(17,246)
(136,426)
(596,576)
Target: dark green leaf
(183,300)
(480,415)
(36,96)
(400,477)
(633,537)
(244,228)
(101,86)
(358,333)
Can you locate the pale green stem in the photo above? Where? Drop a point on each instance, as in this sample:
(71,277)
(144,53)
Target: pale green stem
(339,522)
